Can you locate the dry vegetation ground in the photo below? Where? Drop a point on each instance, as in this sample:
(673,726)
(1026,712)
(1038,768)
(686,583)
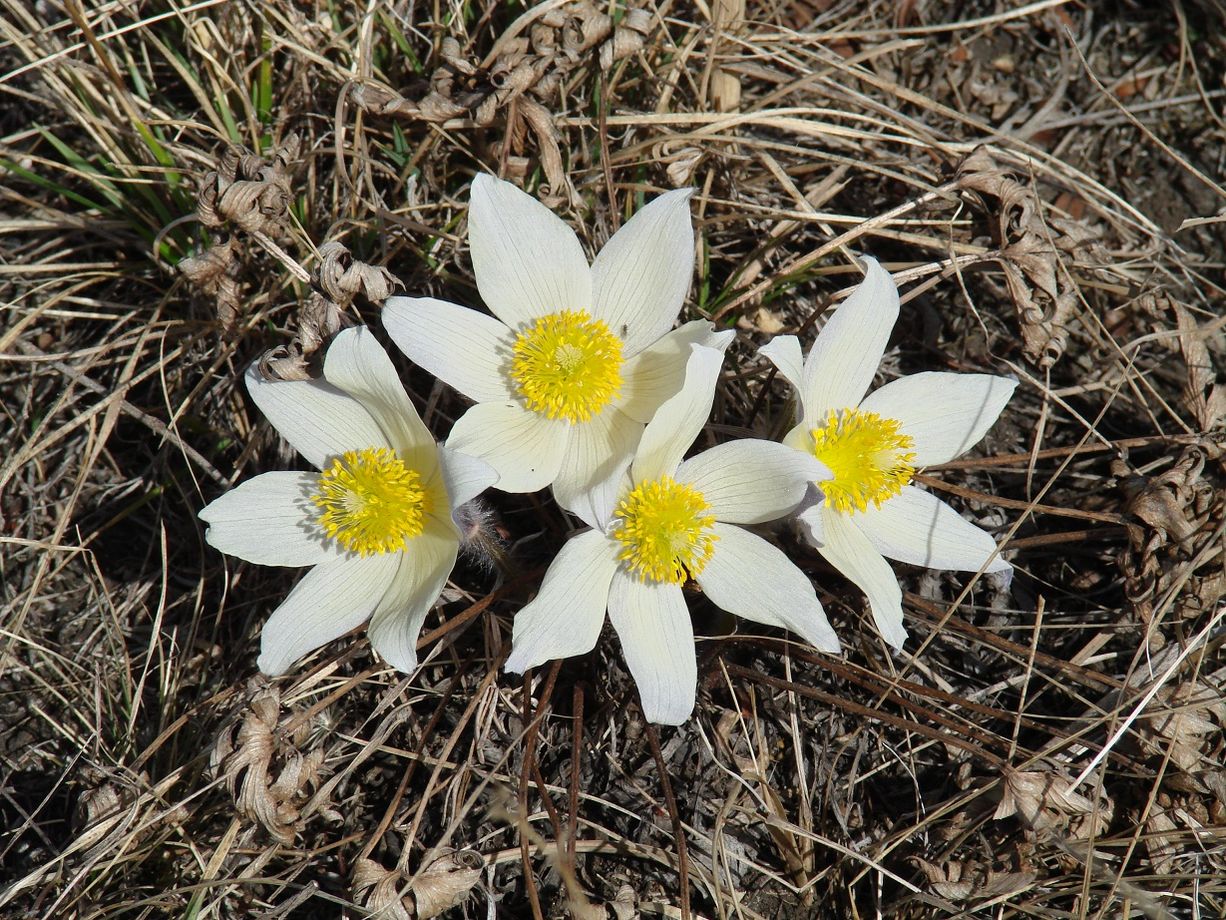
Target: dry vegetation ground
(1037,176)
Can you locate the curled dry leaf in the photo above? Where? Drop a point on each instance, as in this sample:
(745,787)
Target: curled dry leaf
(970,881)
(322,315)
(1030,252)
(1174,507)
(437,887)
(625,904)
(244,760)
(1163,501)
(1045,802)
(286,362)
(99,805)
(1202,394)
(340,277)
(628,38)
(247,191)
(520,82)
(1190,723)
(215,273)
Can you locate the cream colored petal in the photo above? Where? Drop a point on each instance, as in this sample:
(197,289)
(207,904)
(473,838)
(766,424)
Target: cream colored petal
(465,349)
(753,579)
(799,438)
(641,276)
(811,518)
(268,520)
(918,528)
(946,414)
(783,351)
(465,477)
(679,420)
(656,373)
(653,624)
(528,263)
(849,550)
(317,419)
(357,363)
(565,617)
(596,506)
(420,578)
(524,448)
(599,450)
(843,360)
(330,600)
(749,481)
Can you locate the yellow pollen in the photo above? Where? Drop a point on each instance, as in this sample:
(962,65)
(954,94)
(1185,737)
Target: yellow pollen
(665,531)
(370,502)
(871,459)
(567,365)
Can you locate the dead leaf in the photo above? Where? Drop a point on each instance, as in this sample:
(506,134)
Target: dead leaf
(439,886)
(1045,802)
(970,881)
(245,761)
(1030,252)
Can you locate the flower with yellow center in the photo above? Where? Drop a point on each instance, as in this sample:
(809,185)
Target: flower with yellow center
(375,523)
(663,521)
(874,444)
(576,358)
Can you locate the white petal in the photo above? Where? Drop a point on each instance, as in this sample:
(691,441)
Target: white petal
(419,580)
(679,420)
(811,517)
(845,356)
(465,349)
(528,263)
(268,520)
(524,448)
(596,506)
(849,550)
(753,579)
(465,477)
(598,453)
(919,528)
(565,617)
(946,414)
(318,420)
(657,372)
(783,351)
(641,276)
(331,599)
(749,481)
(653,623)
(799,438)
(357,363)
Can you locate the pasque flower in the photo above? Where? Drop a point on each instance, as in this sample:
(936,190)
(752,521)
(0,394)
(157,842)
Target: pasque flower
(665,521)
(576,358)
(375,522)
(874,444)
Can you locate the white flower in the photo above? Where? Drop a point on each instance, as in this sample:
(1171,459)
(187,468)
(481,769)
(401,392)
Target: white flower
(375,523)
(874,444)
(665,521)
(579,358)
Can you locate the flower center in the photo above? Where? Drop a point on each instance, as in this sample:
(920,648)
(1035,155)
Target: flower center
(870,458)
(567,365)
(665,531)
(370,502)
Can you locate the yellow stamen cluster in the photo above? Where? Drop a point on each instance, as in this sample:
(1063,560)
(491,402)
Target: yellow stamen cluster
(567,365)
(870,457)
(370,502)
(665,531)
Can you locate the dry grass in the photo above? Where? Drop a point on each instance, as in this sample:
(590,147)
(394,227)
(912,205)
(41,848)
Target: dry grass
(1050,748)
